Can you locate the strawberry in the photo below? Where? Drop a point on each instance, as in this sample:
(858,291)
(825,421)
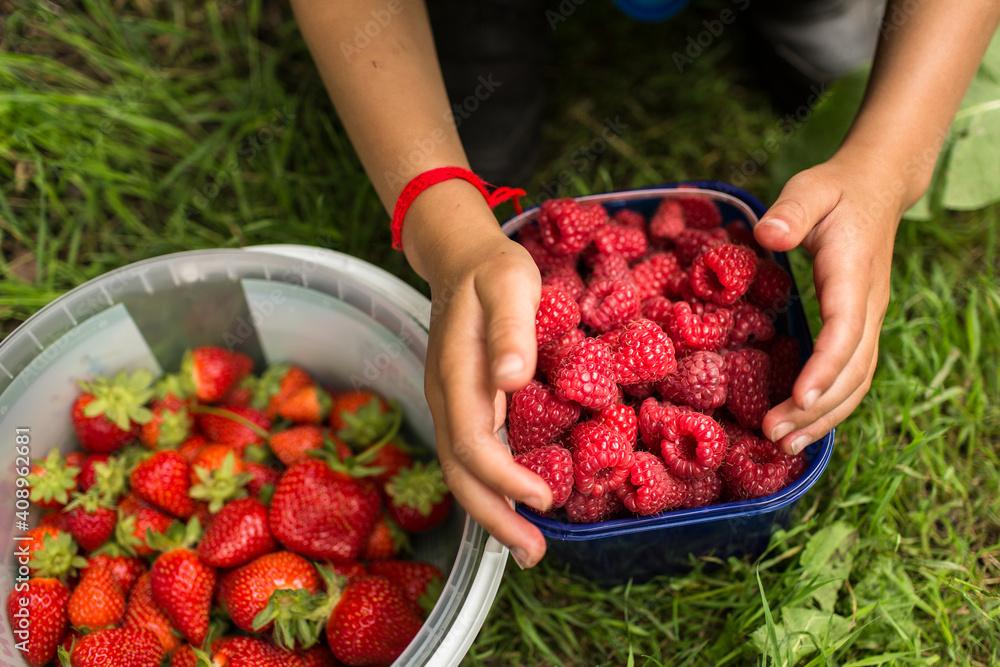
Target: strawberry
(419,500)
(164,481)
(292,445)
(210,372)
(264,478)
(421,583)
(251,652)
(50,552)
(236,427)
(185,656)
(308,405)
(117,647)
(386,540)
(360,417)
(237,534)
(143,613)
(241,395)
(126,569)
(272,591)
(97,602)
(89,469)
(89,520)
(392,457)
(318,656)
(321,513)
(170,424)
(190,447)
(137,523)
(183,585)
(372,623)
(53,478)
(37,612)
(108,414)
(276,384)
(218,475)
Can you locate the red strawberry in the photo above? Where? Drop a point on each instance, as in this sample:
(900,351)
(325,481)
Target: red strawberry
(89,470)
(125,569)
(164,481)
(169,426)
(49,552)
(749,371)
(318,656)
(386,540)
(276,384)
(421,583)
(108,414)
(418,499)
(138,520)
(236,535)
(38,617)
(250,599)
(308,405)
(182,587)
(237,427)
(117,647)
(723,273)
(360,417)
(321,513)
(557,313)
(347,572)
(372,623)
(536,417)
(554,464)
(241,395)
(143,613)
(218,475)
(97,602)
(251,652)
(190,447)
(185,656)
(567,226)
(53,479)
(293,445)
(391,457)
(264,477)
(89,520)
(213,371)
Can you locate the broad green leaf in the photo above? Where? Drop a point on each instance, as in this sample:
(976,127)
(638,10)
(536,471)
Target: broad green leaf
(801,633)
(974,160)
(828,557)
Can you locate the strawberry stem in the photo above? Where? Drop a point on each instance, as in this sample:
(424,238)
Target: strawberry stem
(227,414)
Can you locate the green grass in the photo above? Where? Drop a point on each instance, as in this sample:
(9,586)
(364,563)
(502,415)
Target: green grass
(151,128)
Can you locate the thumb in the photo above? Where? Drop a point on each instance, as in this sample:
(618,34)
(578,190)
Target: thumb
(804,201)
(510,298)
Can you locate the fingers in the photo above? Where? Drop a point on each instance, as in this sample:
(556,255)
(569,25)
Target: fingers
(509,299)
(804,201)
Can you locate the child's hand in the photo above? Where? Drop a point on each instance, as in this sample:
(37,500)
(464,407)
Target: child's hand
(484,293)
(845,213)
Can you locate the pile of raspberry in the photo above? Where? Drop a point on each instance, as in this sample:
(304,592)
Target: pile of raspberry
(657,361)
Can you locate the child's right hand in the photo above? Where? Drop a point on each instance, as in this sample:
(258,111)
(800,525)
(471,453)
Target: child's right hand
(484,293)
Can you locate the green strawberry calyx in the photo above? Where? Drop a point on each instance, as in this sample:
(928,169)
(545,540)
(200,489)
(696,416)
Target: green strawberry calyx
(121,399)
(54,480)
(299,616)
(369,423)
(420,486)
(57,557)
(219,486)
(268,386)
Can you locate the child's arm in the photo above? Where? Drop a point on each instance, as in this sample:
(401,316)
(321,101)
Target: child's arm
(845,211)
(485,288)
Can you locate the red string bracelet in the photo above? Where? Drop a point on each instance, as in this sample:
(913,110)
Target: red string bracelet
(434,176)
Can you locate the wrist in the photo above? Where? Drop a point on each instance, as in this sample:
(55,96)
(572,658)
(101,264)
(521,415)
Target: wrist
(898,176)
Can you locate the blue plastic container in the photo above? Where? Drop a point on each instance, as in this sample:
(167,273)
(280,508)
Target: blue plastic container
(612,552)
(651,11)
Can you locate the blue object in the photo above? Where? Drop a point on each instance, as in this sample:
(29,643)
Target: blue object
(639,548)
(651,11)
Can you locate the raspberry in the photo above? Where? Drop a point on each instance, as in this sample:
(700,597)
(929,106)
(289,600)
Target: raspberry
(748,370)
(606,304)
(659,309)
(679,286)
(536,417)
(601,458)
(557,313)
(691,331)
(740,233)
(567,279)
(753,468)
(629,218)
(771,288)
(699,381)
(585,375)
(554,464)
(650,487)
(653,274)
(610,267)
(796,467)
(642,390)
(702,491)
(735,431)
(700,212)
(641,352)
(551,355)
(531,238)
(583,508)
(750,324)
(667,222)
(723,273)
(653,416)
(786,363)
(568,226)
(622,420)
(626,241)
(692,242)
(693,445)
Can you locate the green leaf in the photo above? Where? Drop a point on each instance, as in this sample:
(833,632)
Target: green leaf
(800,633)
(829,557)
(974,161)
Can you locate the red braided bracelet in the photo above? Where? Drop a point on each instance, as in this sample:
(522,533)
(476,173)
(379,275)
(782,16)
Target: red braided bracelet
(434,176)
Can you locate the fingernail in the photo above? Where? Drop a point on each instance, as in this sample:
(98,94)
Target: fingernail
(781,430)
(800,443)
(810,400)
(508,366)
(775,224)
(521,558)
(537,503)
